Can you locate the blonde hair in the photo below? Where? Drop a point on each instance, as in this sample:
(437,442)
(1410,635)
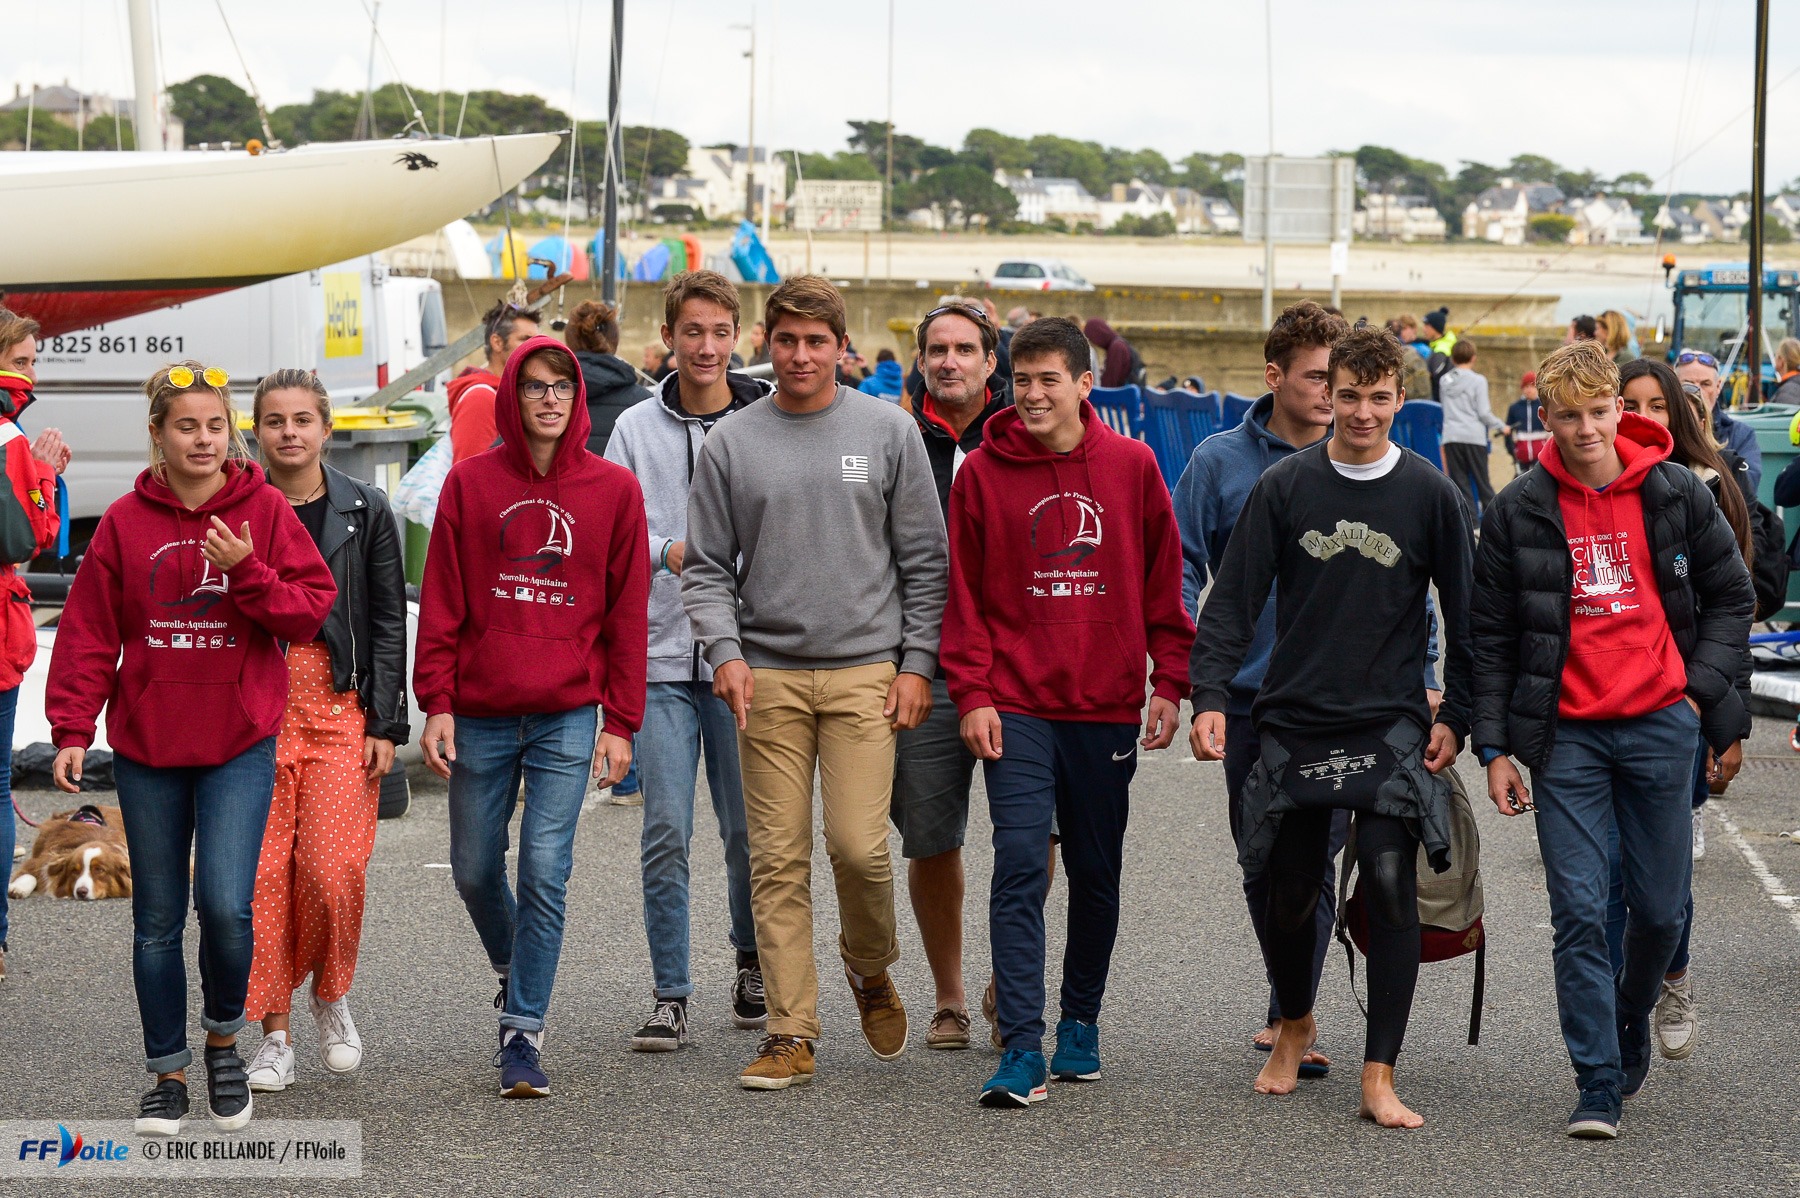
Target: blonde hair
(1614,332)
(161,393)
(291,377)
(1787,354)
(1575,372)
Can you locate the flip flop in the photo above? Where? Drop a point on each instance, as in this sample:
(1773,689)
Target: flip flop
(1311,1070)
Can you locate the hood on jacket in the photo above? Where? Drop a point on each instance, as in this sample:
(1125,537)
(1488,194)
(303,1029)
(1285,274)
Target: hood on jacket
(457,387)
(511,424)
(887,380)
(745,391)
(241,477)
(605,372)
(15,393)
(1100,333)
(1641,444)
(1007,437)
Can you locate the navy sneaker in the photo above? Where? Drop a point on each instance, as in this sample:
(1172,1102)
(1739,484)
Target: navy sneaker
(1596,1116)
(1018,1082)
(520,1076)
(1077,1056)
(1634,1053)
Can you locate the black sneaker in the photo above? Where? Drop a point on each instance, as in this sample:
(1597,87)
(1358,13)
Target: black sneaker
(666,1030)
(749,1006)
(1596,1116)
(1635,1053)
(161,1111)
(227,1088)
(500,998)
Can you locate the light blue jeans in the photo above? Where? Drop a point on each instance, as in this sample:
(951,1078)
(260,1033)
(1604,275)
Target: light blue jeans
(9,706)
(681,718)
(523,935)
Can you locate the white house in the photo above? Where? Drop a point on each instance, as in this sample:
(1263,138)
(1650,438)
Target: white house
(1681,224)
(1786,209)
(1043,198)
(1136,198)
(1600,220)
(673,191)
(1503,212)
(1206,214)
(723,175)
(1722,221)
(1398,218)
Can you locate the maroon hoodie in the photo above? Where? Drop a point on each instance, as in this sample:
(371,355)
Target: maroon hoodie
(1065,571)
(201,677)
(537,586)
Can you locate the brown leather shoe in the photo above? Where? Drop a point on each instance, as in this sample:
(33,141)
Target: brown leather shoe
(949,1029)
(883,1018)
(781,1061)
(990,1012)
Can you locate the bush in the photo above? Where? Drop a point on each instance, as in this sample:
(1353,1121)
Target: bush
(1550,226)
(1159,224)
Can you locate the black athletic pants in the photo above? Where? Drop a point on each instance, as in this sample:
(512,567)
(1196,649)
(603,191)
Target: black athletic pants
(1467,464)
(1386,859)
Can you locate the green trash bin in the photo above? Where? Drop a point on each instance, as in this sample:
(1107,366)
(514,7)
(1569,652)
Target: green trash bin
(1772,423)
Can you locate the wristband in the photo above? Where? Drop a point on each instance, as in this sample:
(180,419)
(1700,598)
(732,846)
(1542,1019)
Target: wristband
(663,563)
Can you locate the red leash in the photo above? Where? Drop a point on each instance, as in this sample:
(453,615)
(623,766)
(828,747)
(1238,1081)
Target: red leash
(29,822)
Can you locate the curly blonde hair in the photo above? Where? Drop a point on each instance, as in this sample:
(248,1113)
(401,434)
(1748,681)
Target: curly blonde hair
(1575,372)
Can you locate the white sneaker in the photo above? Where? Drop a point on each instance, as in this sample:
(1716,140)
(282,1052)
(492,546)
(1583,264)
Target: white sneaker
(272,1068)
(339,1045)
(1699,833)
(1677,1024)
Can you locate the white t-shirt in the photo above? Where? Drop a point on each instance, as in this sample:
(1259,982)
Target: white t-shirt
(1370,471)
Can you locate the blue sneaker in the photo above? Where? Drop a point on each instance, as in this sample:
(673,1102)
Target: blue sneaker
(1018,1082)
(1596,1116)
(1077,1056)
(1634,1054)
(517,1059)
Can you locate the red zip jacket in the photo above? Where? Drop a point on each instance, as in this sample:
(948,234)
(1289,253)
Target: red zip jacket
(28,526)
(201,678)
(1623,661)
(471,401)
(1065,570)
(537,587)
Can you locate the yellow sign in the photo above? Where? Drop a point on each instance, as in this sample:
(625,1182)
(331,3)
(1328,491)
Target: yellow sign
(343,315)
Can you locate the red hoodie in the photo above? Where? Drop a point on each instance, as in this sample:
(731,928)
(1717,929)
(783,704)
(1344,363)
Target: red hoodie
(537,587)
(471,400)
(1623,661)
(1065,570)
(202,678)
(28,526)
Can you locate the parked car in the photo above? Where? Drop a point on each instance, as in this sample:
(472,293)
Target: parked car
(1037,274)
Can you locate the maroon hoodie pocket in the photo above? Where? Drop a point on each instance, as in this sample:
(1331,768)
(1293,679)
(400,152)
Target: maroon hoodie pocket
(182,722)
(517,671)
(1079,665)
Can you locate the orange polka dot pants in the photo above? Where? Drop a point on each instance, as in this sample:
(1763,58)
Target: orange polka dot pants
(310,879)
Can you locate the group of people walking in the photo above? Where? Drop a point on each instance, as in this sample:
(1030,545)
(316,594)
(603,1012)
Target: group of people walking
(805,580)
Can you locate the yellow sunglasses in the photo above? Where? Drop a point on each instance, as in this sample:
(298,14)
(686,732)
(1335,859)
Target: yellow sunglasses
(183,377)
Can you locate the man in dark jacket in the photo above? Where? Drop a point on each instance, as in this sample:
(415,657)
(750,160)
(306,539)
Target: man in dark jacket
(933,769)
(1610,613)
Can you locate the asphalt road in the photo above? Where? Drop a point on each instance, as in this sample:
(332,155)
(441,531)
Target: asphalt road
(1174,1114)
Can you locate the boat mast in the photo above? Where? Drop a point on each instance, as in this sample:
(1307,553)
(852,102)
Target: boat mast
(615,162)
(1753,326)
(148,117)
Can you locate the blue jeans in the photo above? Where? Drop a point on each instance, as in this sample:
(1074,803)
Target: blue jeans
(9,707)
(1630,779)
(1080,774)
(679,719)
(1615,898)
(630,783)
(218,812)
(554,754)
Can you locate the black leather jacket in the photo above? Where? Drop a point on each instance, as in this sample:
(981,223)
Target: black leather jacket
(366,630)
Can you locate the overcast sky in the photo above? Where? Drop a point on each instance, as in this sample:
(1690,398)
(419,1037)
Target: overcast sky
(1450,81)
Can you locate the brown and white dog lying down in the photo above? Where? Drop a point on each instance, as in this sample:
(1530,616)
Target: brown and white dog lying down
(77,854)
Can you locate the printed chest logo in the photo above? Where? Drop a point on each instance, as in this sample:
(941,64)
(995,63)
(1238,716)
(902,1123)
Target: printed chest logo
(537,536)
(1604,584)
(173,584)
(856,467)
(1076,531)
(1378,547)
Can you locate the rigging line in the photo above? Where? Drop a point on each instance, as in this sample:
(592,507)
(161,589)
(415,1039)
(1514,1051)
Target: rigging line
(574,141)
(1682,117)
(418,117)
(655,97)
(262,114)
(1741,114)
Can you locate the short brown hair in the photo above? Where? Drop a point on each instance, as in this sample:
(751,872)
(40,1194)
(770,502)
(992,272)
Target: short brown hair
(1577,371)
(807,297)
(500,319)
(1463,352)
(15,328)
(1054,335)
(968,309)
(699,284)
(1304,325)
(1369,354)
(593,328)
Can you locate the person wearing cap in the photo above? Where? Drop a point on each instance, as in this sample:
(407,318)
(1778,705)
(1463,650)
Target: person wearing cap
(1442,340)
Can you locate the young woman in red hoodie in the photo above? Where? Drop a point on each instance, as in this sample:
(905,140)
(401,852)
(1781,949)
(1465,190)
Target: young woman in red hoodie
(172,626)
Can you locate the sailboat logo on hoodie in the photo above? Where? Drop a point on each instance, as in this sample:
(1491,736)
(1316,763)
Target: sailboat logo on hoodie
(1602,564)
(169,577)
(537,534)
(1078,534)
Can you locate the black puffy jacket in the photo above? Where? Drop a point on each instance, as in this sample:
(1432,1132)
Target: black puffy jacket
(1519,616)
(366,630)
(612,387)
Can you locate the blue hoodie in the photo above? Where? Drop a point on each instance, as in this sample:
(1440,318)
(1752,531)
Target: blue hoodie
(1208,499)
(886,382)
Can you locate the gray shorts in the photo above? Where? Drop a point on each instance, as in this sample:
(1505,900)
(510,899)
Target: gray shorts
(933,772)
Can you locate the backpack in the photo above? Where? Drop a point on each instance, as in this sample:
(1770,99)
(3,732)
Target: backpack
(1451,904)
(1437,366)
(1139,373)
(1769,559)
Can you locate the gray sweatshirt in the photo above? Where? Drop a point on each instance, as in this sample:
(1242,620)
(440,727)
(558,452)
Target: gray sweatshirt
(815,541)
(1468,417)
(659,442)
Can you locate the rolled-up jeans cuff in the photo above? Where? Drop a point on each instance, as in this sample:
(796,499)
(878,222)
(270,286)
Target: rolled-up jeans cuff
(524,1023)
(230,1027)
(171,1063)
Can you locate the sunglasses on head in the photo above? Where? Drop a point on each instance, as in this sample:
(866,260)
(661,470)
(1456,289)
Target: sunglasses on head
(1694,355)
(970,311)
(183,377)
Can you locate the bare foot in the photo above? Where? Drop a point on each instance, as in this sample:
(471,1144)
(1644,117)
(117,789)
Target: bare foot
(1266,1039)
(1379,1102)
(1281,1072)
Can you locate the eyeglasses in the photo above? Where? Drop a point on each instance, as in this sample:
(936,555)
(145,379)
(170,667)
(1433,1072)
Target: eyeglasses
(183,377)
(1694,355)
(563,388)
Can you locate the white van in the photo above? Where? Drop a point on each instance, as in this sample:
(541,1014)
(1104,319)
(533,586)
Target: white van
(354,324)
